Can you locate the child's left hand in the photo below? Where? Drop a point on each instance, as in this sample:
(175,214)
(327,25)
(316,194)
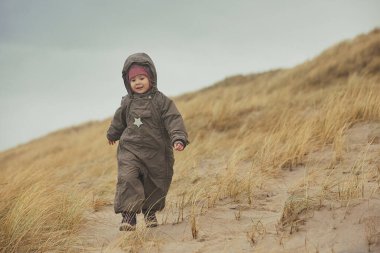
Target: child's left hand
(178,146)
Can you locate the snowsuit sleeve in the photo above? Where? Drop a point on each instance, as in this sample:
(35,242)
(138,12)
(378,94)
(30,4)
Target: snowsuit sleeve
(173,122)
(118,122)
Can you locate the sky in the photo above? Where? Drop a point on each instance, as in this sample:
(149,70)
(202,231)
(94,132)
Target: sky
(61,61)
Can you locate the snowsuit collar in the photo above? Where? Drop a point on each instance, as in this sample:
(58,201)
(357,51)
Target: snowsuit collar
(142,59)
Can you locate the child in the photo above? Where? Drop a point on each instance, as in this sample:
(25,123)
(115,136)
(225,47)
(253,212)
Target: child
(148,127)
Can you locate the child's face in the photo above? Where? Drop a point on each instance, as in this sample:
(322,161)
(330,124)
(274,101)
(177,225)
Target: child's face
(140,84)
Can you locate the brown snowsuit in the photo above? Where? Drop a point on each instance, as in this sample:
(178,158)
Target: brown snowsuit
(146,126)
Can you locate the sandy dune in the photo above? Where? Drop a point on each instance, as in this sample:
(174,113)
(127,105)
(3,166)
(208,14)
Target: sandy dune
(232,226)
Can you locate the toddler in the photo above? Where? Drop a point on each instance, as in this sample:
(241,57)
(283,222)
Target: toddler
(148,127)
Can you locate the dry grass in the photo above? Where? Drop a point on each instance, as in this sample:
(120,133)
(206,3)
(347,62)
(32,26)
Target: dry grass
(41,217)
(243,131)
(141,239)
(257,232)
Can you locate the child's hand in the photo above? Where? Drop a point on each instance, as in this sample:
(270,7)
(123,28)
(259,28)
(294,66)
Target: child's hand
(178,146)
(111,142)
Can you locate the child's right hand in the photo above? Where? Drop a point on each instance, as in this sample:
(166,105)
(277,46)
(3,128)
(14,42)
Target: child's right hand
(111,142)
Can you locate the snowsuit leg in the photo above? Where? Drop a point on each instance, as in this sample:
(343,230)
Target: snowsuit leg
(155,196)
(130,194)
(159,173)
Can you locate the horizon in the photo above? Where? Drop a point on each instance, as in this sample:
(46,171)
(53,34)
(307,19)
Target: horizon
(56,66)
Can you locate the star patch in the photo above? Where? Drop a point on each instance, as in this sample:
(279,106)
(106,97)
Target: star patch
(137,122)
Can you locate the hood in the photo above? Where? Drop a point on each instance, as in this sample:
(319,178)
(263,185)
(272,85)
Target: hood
(141,59)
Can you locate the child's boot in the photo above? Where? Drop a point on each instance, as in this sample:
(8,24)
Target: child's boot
(129,222)
(150,218)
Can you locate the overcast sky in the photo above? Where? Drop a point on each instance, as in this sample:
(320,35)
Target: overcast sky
(61,61)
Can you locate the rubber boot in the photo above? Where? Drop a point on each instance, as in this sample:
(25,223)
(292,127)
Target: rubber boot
(150,218)
(129,222)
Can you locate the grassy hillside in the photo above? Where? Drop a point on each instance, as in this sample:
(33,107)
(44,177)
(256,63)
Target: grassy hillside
(266,122)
